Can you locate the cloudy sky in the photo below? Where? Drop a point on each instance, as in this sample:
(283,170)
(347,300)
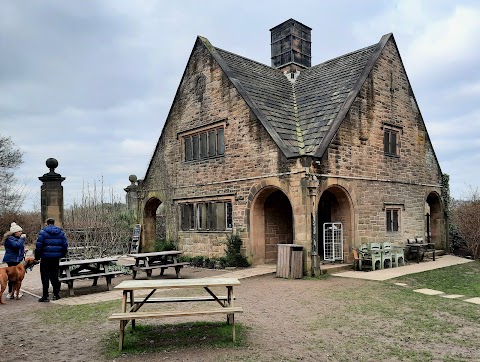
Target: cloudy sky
(90,82)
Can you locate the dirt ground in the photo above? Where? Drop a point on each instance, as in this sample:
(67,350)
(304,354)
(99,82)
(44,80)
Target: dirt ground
(281,317)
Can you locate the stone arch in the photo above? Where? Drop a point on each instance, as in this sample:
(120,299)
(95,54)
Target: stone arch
(270,223)
(336,205)
(434,219)
(150,224)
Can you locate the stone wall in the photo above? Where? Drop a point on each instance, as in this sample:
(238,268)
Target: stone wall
(250,155)
(356,155)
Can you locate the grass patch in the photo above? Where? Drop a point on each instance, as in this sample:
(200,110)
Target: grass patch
(168,337)
(79,314)
(396,317)
(458,279)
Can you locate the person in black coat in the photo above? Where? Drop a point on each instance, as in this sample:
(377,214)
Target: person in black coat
(52,245)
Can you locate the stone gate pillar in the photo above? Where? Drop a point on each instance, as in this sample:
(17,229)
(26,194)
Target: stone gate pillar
(51,194)
(131,197)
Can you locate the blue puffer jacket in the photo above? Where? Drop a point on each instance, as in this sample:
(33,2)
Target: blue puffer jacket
(51,243)
(14,249)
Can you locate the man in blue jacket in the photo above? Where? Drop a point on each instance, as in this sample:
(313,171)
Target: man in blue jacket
(52,245)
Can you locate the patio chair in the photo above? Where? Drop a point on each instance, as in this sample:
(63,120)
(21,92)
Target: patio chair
(398,254)
(359,261)
(386,255)
(372,254)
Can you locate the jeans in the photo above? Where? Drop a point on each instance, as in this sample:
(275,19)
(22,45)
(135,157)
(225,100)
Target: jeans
(49,270)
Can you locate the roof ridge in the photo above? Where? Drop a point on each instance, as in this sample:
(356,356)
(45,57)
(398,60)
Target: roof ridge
(298,129)
(250,60)
(343,55)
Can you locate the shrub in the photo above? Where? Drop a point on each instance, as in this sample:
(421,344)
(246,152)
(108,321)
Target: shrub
(165,245)
(466,218)
(233,256)
(198,261)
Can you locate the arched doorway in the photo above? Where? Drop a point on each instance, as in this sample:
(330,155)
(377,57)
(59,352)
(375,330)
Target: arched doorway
(271,224)
(150,224)
(434,221)
(335,206)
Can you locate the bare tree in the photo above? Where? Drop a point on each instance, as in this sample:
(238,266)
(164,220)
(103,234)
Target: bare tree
(11,194)
(98,224)
(466,217)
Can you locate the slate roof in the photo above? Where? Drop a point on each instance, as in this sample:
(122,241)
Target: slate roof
(303,117)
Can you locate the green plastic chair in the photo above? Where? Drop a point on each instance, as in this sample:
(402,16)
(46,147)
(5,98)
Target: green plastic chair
(386,254)
(398,254)
(372,253)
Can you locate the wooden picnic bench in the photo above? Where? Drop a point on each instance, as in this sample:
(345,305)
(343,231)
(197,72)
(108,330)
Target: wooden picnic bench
(129,286)
(72,270)
(162,260)
(417,248)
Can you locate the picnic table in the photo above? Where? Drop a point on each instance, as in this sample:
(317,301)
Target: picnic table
(87,269)
(157,260)
(419,249)
(128,287)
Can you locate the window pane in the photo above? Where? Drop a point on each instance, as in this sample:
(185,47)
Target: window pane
(188,149)
(183,217)
(389,220)
(212,140)
(386,143)
(195,147)
(202,216)
(220,206)
(191,216)
(203,145)
(393,143)
(212,221)
(395,220)
(220,142)
(229,216)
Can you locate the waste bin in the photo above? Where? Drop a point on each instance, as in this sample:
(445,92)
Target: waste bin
(289,261)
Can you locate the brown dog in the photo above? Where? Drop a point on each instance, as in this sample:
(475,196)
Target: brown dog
(15,274)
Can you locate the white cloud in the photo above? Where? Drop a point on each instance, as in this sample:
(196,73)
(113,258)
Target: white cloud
(91,83)
(446,44)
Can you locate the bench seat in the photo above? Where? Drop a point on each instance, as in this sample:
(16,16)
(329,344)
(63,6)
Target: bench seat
(90,276)
(162,267)
(173,313)
(107,275)
(157,266)
(125,317)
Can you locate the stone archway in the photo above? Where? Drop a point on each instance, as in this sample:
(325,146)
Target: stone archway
(271,224)
(149,224)
(335,206)
(434,221)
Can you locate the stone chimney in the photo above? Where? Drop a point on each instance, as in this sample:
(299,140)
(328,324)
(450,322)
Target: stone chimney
(291,46)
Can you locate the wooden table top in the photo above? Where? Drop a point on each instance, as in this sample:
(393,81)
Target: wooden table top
(156,253)
(420,244)
(136,284)
(88,261)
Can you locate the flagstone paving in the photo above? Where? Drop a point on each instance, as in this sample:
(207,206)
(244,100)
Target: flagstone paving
(452,296)
(475,300)
(429,291)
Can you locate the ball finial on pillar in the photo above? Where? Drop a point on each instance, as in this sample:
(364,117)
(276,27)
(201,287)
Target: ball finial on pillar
(52,164)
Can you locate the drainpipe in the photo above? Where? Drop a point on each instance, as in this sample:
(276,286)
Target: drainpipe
(312,186)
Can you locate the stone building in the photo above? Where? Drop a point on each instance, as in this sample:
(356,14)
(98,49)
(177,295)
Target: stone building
(292,153)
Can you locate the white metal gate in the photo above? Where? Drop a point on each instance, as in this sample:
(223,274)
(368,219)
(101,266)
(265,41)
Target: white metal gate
(332,241)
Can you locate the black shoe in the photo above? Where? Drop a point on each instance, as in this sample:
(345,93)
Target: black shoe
(56,297)
(44,299)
